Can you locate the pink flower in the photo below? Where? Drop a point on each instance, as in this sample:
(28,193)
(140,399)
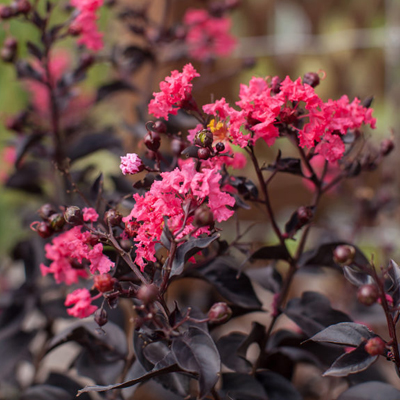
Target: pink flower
(69,248)
(81,300)
(207,37)
(90,214)
(174,90)
(166,198)
(85,24)
(131,164)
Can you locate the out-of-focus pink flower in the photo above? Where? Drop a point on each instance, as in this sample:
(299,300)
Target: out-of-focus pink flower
(318,165)
(207,37)
(70,247)
(176,89)
(81,301)
(131,164)
(8,158)
(90,214)
(166,198)
(85,24)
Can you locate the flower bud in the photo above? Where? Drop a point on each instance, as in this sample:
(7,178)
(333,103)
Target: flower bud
(387,145)
(112,217)
(367,294)
(311,78)
(9,50)
(219,313)
(177,146)
(159,127)
(42,229)
(203,153)
(56,222)
(148,293)
(305,215)
(86,60)
(276,84)
(204,138)
(101,317)
(344,254)
(375,346)
(23,6)
(6,12)
(104,283)
(220,147)
(152,141)
(73,215)
(203,216)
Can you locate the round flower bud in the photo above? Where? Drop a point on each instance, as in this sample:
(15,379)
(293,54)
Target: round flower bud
(23,6)
(311,78)
(6,12)
(203,216)
(101,317)
(220,147)
(203,153)
(159,127)
(375,346)
(344,254)
(152,141)
(177,146)
(112,217)
(56,221)
(148,293)
(219,313)
(204,138)
(73,215)
(387,147)
(42,229)
(367,294)
(104,283)
(276,84)
(305,215)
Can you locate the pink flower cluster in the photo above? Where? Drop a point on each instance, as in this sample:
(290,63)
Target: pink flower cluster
(81,301)
(85,24)
(70,247)
(176,89)
(167,197)
(262,111)
(131,164)
(207,37)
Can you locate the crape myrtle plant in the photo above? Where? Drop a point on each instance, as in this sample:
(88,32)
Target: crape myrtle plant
(111,254)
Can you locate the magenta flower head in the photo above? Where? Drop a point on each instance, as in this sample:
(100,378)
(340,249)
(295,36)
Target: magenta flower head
(131,164)
(81,301)
(175,90)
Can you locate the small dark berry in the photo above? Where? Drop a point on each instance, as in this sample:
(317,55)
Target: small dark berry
(311,78)
(148,293)
(367,294)
(152,141)
(43,230)
(46,211)
(219,313)
(104,283)
(344,254)
(112,217)
(159,127)
(305,215)
(73,215)
(220,147)
(203,153)
(375,346)
(101,317)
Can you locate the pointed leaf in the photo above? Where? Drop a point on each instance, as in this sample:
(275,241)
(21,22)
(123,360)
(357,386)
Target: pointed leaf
(189,249)
(277,252)
(228,349)
(196,352)
(344,333)
(394,274)
(277,387)
(239,386)
(351,363)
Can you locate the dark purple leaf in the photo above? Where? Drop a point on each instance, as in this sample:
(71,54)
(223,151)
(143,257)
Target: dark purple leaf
(357,278)
(113,87)
(313,312)
(45,392)
(134,57)
(295,223)
(268,277)
(26,178)
(152,374)
(195,351)
(245,187)
(228,350)
(66,383)
(239,386)
(256,335)
(277,387)
(34,50)
(289,165)
(189,249)
(394,274)
(24,145)
(96,190)
(350,363)
(344,333)
(277,252)
(371,391)
(26,71)
(233,286)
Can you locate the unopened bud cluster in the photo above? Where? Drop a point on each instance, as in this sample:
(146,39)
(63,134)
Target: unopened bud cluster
(52,221)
